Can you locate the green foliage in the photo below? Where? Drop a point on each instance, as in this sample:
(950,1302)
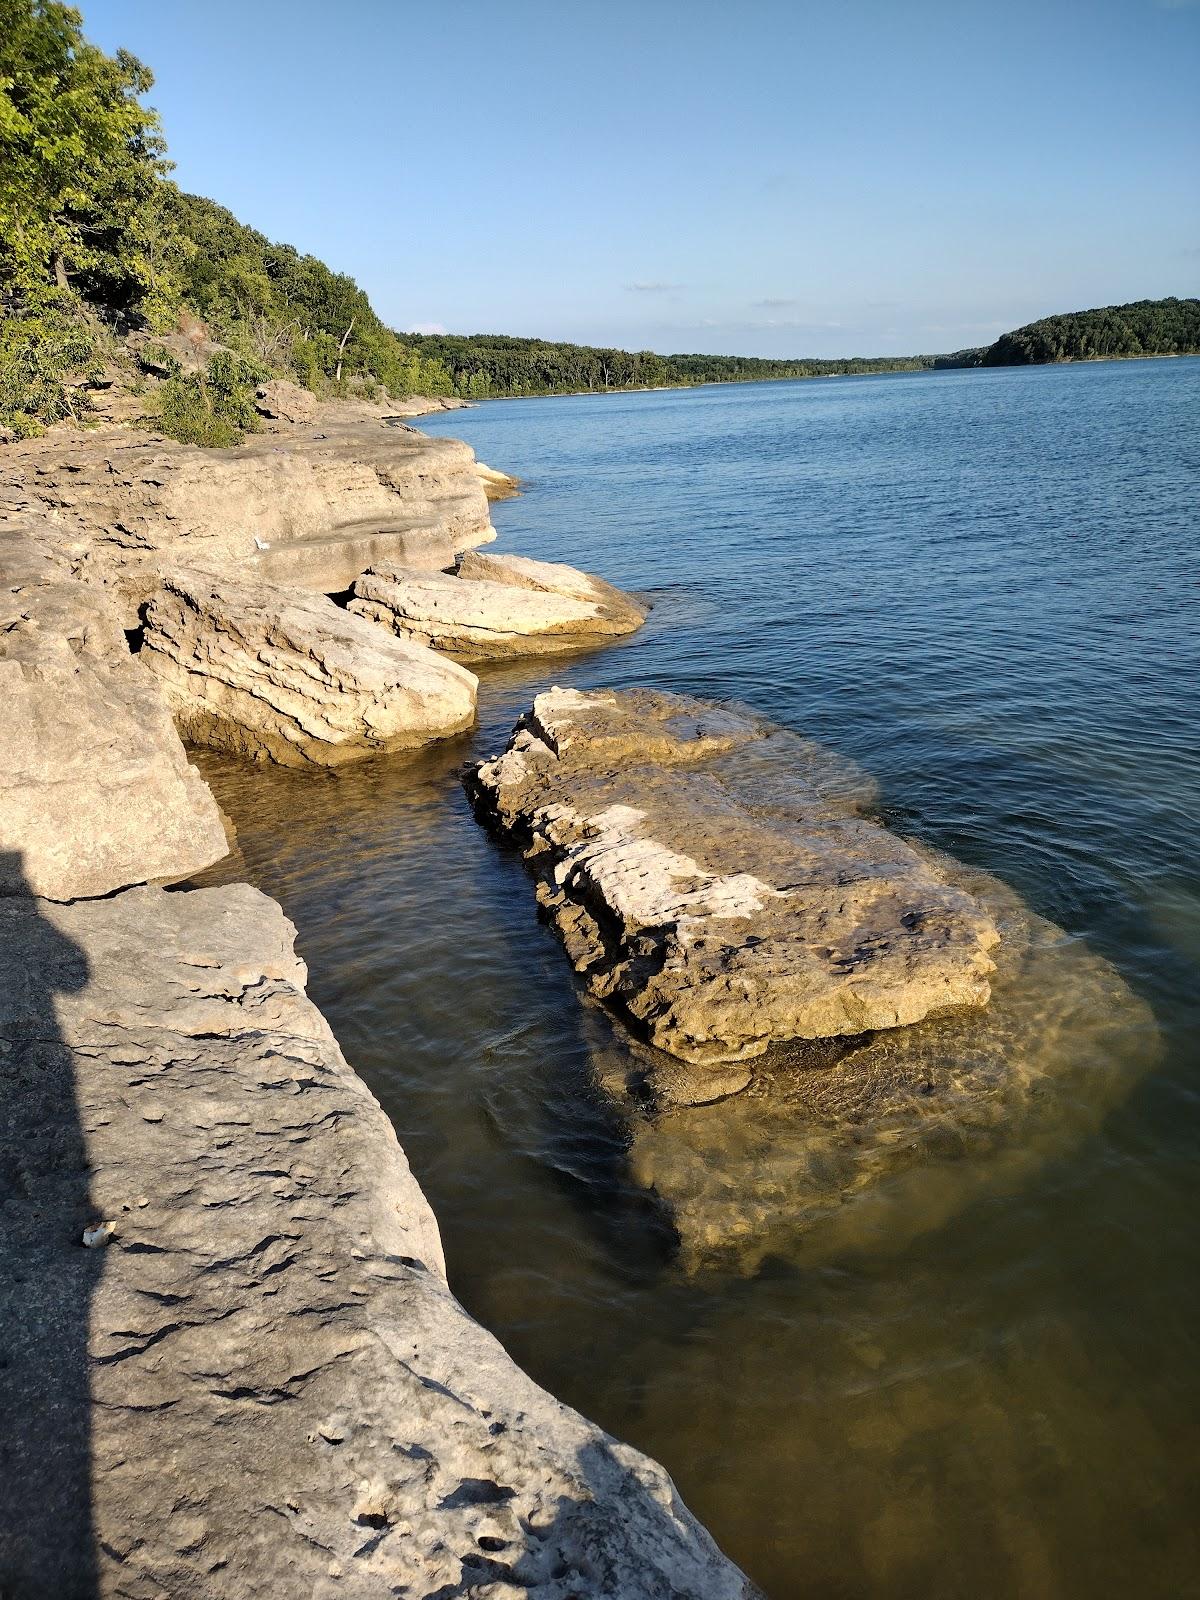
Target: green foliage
(481,365)
(214,407)
(80,164)
(43,359)
(1142,328)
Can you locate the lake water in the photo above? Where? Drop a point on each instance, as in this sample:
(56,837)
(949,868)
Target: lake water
(983,587)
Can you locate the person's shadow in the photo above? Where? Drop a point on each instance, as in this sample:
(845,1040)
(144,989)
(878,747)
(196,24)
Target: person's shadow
(46,1275)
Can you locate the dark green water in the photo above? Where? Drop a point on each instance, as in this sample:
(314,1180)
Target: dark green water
(983,587)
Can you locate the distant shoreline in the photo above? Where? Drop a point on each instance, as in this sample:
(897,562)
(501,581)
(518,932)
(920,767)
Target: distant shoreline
(819,377)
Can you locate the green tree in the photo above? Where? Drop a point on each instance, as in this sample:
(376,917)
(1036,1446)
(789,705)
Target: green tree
(80,159)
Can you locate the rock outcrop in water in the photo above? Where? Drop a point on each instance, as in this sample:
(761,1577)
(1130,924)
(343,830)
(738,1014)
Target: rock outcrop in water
(714,928)
(496,606)
(829,1150)
(311,506)
(687,853)
(256,1382)
(263,671)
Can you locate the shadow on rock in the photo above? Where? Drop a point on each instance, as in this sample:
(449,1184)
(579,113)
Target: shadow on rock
(47,1277)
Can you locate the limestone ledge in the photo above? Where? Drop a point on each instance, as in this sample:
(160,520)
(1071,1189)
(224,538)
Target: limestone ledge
(232,1364)
(312,505)
(258,1382)
(492,607)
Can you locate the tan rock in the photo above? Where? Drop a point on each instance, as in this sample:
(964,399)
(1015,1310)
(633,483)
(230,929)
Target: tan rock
(258,1384)
(503,607)
(95,788)
(271,673)
(497,485)
(312,507)
(287,402)
(867,1143)
(715,926)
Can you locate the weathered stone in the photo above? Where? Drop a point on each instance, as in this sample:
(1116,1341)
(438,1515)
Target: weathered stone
(865,1144)
(41,599)
(95,787)
(497,485)
(271,673)
(312,507)
(503,607)
(287,402)
(716,925)
(257,1383)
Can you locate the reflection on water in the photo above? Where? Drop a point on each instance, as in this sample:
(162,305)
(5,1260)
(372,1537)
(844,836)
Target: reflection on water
(981,1374)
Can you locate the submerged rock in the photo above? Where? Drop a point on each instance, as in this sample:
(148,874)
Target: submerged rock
(496,607)
(261,1384)
(271,673)
(869,1144)
(96,791)
(717,925)
(808,1148)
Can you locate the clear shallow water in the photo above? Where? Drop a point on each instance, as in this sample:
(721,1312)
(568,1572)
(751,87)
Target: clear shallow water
(983,587)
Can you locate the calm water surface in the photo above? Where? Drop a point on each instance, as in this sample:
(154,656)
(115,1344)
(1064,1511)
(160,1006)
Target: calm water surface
(983,587)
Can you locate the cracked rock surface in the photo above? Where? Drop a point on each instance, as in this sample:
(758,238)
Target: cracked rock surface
(715,922)
(258,670)
(96,791)
(496,606)
(257,1382)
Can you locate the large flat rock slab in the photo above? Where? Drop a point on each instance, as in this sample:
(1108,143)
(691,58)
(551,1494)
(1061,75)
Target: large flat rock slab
(717,928)
(496,607)
(257,1383)
(96,791)
(271,673)
(125,506)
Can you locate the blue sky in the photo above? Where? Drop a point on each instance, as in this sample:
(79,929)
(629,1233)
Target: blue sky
(770,178)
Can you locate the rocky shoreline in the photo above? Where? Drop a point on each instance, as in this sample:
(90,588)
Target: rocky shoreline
(231,1351)
(230,1341)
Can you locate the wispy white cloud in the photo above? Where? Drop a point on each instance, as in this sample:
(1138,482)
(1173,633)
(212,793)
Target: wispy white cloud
(653,287)
(425,327)
(776,303)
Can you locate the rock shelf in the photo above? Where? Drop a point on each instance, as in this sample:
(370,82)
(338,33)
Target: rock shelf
(493,607)
(301,506)
(231,1360)
(715,929)
(257,1382)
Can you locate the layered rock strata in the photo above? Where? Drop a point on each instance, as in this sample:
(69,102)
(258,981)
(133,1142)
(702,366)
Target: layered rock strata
(498,607)
(311,506)
(96,791)
(715,928)
(232,1363)
(271,673)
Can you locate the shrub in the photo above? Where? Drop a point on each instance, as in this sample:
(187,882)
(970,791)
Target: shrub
(43,360)
(214,407)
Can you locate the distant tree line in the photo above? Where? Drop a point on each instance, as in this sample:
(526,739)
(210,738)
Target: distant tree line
(1142,328)
(481,365)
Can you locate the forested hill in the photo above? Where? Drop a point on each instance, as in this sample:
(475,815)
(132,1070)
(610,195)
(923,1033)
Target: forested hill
(483,364)
(1143,328)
